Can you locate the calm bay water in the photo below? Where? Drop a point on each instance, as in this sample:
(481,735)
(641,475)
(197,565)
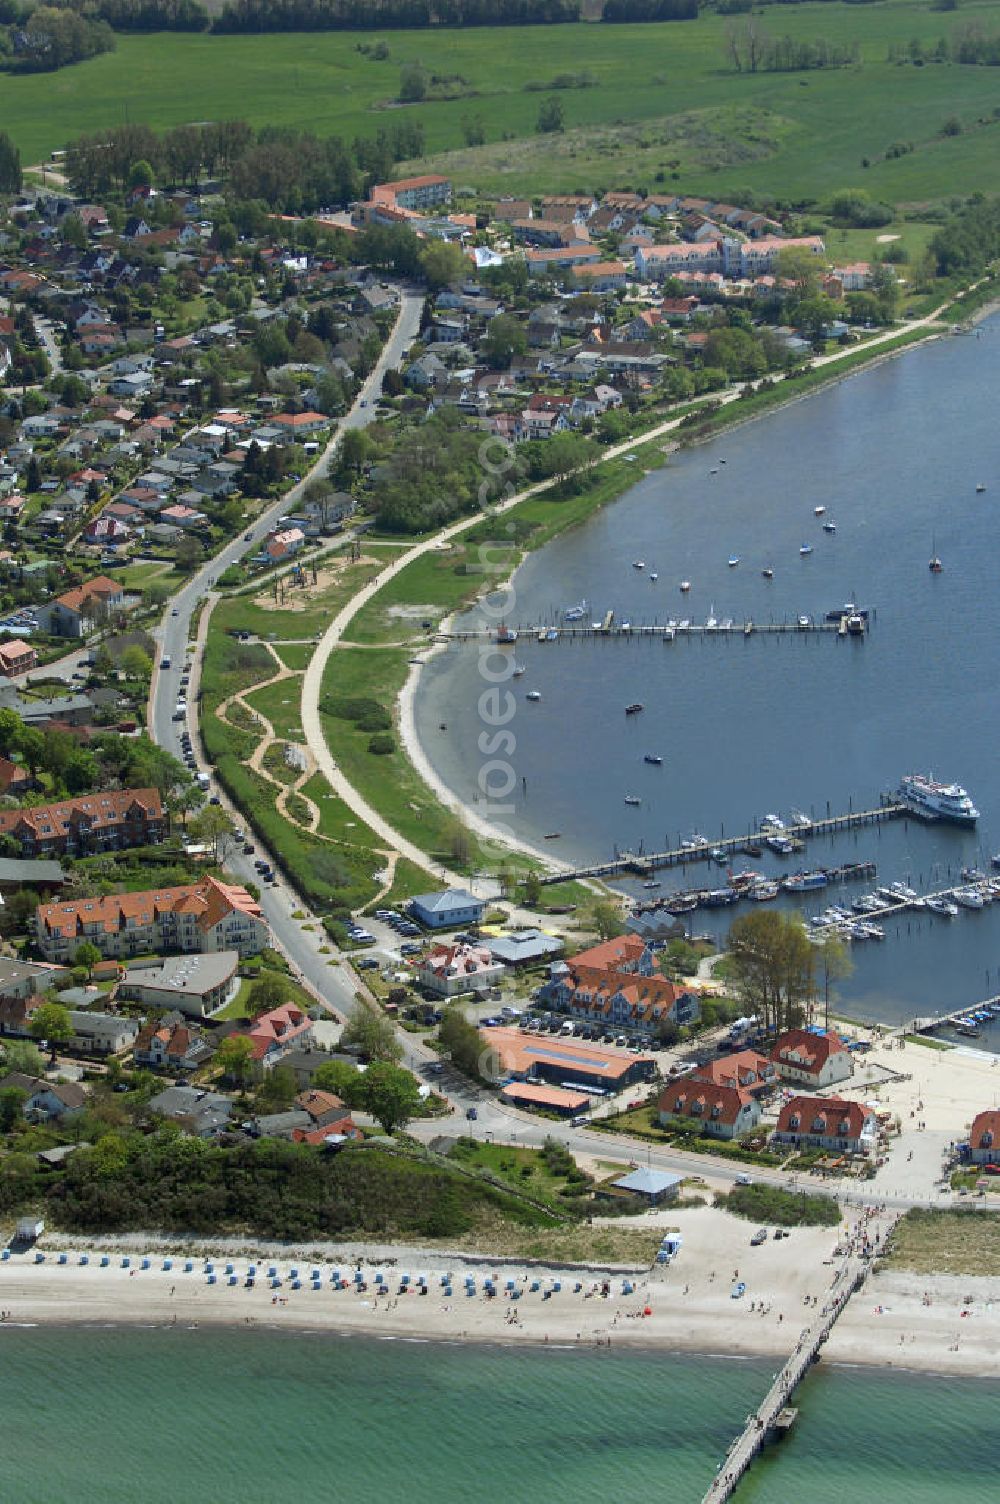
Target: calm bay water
(746,727)
(117,1416)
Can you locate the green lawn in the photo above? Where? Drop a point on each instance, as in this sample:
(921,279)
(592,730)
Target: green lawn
(665,101)
(238,1007)
(295,655)
(281,703)
(430,588)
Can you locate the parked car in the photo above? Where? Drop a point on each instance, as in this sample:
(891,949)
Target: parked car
(760,1236)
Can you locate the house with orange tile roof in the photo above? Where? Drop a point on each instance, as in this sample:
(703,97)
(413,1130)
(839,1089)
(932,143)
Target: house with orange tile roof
(75,612)
(424,192)
(113,821)
(273,1034)
(17,658)
(744,1068)
(568,1062)
(809,1059)
(829,1123)
(984,1138)
(618,987)
(172,1043)
(547,1098)
(720,1111)
(205,916)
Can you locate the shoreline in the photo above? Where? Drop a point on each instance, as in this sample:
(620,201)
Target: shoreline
(881,1327)
(725,420)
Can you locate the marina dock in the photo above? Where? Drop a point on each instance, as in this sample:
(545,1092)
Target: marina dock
(774,1417)
(968,1017)
(641,864)
(830,624)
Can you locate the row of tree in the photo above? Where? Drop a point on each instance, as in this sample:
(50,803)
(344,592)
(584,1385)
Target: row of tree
(364,15)
(650,10)
(749,49)
(969,240)
(281,167)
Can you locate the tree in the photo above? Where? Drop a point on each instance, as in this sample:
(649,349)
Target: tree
(412,83)
(372,1032)
(135,663)
(390,1094)
(468,1049)
(267,992)
(355,449)
(10,165)
(234,1057)
(276,1092)
(442,263)
(189,554)
(605,918)
(23,1056)
(212,826)
(340,1078)
(773,963)
(140,174)
(532,890)
(506,337)
(12,1100)
(33,478)
(51,1022)
(87,955)
(551,117)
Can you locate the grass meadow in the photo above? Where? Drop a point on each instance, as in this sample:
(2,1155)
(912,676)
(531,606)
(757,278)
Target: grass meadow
(665,108)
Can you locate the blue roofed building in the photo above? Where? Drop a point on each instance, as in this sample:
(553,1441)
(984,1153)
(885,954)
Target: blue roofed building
(447,910)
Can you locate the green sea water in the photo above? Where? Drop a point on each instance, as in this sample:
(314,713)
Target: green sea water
(125,1416)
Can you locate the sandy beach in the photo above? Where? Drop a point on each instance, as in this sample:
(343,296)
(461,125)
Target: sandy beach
(686,1306)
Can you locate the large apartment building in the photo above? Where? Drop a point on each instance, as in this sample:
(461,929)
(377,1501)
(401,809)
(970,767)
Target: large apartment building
(88,824)
(203,916)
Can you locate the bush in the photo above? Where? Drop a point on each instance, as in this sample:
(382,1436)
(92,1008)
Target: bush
(765,1203)
(382,744)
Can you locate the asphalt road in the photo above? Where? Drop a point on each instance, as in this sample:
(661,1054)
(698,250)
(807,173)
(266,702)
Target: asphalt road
(334,983)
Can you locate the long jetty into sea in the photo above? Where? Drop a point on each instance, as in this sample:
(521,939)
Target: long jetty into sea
(608,629)
(774,1416)
(641,864)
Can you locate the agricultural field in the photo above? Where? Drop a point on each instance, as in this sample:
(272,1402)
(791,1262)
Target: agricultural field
(662,105)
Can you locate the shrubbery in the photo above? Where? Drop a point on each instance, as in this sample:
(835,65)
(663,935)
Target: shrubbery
(767,1203)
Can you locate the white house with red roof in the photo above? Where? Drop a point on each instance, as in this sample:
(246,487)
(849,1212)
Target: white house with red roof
(273,1034)
(719,1111)
(830,1123)
(745,1069)
(617,986)
(809,1059)
(450,970)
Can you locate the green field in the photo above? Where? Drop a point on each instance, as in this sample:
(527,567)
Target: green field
(665,109)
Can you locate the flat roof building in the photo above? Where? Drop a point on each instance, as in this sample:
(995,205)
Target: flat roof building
(196,985)
(568,1062)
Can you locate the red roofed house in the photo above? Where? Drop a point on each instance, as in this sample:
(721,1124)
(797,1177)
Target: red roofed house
(75,612)
(174,1042)
(617,987)
(984,1140)
(746,1069)
(207,916)
(322,1106)
(274,1034)
(297,424)
(14,777)
(413,193)
(288,541)
(91,822)
(452,969)
(342,1127)
(827,1123)
(812,1059)
(720,1111)
(17,658)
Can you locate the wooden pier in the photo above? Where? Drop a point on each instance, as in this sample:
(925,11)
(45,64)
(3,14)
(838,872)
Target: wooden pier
(669,631)
(642,864)
(951,1020)
(773,1417)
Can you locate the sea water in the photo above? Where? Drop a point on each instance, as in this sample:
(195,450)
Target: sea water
(750,726)
(157,1416)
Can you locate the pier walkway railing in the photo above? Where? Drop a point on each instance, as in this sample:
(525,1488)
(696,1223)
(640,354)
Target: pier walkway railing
(762,1423)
